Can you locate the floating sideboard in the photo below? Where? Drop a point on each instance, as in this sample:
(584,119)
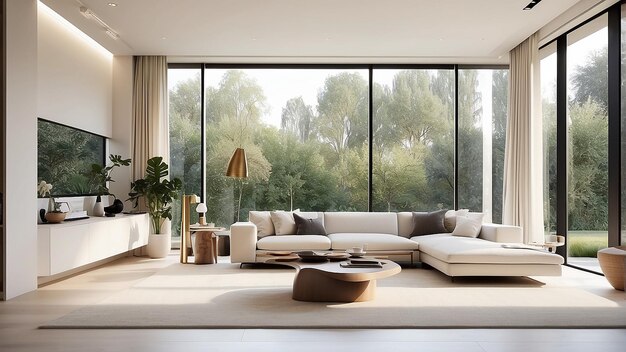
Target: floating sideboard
(72,244)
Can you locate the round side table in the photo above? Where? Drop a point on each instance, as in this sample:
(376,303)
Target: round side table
(612,261)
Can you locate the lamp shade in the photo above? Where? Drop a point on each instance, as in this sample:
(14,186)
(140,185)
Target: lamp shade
(238,165)
(201,208)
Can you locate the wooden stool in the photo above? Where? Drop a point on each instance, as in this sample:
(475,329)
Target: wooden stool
(205,250)
(612,261)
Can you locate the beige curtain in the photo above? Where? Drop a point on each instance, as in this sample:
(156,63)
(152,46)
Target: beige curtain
(150,114)
(523,196)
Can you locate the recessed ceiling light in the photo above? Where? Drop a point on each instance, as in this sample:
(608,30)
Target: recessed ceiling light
(112,4)
(531,4)
(163,38)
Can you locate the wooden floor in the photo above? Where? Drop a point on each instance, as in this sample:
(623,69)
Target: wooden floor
(20,317)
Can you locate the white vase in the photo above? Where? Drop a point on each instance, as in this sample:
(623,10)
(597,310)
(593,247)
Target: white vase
(98,207)
(159,245)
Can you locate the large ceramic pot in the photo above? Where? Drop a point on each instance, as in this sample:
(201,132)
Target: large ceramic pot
(613,263)
(159,245)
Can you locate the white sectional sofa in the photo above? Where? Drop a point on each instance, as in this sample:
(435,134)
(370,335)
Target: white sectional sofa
(390,234)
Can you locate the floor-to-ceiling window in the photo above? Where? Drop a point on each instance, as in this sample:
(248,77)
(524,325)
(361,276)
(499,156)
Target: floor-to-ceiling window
(482,111)
(413,140)
(587,142)
(185,106)
(583,136)
(306,133)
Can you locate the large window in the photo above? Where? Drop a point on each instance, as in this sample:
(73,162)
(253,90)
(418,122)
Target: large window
(64,158)
(483,102)
(587,77)
(305,133)
(306,136)
(185,135)
(413,149)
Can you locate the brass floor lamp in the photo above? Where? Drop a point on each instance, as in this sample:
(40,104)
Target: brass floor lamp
(238,169)
(185,231)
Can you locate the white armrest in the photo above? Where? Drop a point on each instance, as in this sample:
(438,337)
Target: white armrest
(502,233)
(243,242)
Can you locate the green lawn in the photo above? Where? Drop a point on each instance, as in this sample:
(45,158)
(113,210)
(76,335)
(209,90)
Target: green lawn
(586,243)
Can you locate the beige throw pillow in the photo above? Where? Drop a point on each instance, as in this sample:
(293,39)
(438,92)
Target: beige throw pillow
(468,226)
(284,224)
(449,220)
(263,222)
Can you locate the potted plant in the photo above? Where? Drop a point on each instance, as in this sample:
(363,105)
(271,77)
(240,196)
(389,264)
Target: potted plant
(100,175)
(54,213)
(158,193)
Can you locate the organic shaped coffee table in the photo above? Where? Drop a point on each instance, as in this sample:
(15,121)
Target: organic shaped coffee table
(329,282)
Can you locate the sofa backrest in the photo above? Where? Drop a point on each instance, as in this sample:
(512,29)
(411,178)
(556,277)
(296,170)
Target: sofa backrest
(361,222)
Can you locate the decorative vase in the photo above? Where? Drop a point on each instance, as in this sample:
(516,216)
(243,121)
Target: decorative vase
(159,245)
(55,217)
(98,208)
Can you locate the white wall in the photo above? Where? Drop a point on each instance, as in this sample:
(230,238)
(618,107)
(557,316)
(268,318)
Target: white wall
(21,147)
(74,77)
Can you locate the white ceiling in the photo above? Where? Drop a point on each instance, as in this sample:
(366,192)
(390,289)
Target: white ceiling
(371,30)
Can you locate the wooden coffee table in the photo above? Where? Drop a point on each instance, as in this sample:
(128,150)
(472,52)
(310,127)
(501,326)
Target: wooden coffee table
(329,282)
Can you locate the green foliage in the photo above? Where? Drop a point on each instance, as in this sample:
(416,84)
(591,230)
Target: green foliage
(585,243)
(100,175)
(157,191)
(65,155)
(318,158)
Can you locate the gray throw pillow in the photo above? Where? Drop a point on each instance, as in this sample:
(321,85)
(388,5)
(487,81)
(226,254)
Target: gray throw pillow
(305,226)
(428,223)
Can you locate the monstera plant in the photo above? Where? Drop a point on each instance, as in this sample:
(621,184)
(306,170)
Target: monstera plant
(158,192)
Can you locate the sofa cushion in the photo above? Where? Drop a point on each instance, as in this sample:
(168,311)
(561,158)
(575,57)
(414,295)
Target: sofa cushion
(428,223)
(371,241)
(449,220)
(307,226)
(467,227)
(361,222)
(293,242)
(462,250)
(263,222)
(405,224)
(284,223)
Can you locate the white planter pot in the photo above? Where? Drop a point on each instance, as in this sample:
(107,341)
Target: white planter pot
(159,245)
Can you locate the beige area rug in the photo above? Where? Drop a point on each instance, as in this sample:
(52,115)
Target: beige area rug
(224,296)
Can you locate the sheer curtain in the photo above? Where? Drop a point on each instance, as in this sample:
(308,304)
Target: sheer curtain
(150,112)
(523,196)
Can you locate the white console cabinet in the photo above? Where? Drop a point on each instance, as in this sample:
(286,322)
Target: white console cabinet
(72,244)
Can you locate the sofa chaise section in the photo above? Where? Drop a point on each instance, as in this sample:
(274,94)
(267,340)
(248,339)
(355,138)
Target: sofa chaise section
(464,256)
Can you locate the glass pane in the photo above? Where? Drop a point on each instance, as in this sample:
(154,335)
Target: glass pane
(305,133)
(483,95)
(587,143)
(413,150)
(65,156)
(185,143)
(548,106)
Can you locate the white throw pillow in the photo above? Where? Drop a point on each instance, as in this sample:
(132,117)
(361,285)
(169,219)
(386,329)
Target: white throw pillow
(449,220)
(284,224)
(467,226)
(263,222)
